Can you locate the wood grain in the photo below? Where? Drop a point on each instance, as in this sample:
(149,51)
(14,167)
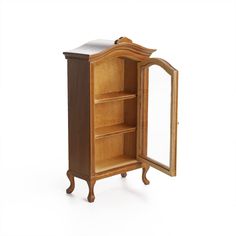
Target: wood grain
(79,116)
(91,196)
(109,76)
(115,162)
(114,129)
(108,148)
(144,175)
(143,115)
(107,111)
(123,40)
(71,188)
(97,50)
(114,96)
(130,75)
(118,170)
(130,144)
(107,114)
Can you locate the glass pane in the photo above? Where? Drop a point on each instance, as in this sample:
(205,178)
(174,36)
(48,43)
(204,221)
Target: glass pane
(159,105)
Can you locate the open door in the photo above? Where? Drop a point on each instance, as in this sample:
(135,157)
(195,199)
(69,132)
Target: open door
(157,114)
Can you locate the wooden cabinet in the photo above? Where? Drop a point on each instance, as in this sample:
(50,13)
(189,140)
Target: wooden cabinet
(108,111)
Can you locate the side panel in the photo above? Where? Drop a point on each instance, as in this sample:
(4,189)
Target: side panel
(79,116)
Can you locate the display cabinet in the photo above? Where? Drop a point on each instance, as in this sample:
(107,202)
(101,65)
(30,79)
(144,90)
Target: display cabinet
(111,97)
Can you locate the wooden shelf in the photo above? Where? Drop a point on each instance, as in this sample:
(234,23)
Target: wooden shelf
(115,96)
(114,129)
(114,162)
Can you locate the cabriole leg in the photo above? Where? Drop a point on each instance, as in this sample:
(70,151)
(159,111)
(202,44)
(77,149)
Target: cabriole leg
(72,182)
(91,196)
(144,178)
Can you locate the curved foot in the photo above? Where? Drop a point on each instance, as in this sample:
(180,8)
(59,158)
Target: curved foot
(72,182)
(91,196)
(123,175)
(144,178)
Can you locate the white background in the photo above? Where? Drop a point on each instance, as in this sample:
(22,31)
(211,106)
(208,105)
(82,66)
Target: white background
(159,105)
(198,38)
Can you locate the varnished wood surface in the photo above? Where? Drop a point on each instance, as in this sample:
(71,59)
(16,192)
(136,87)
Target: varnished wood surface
(100,49)
(114,96)
(130,144)
(104,105)
(143,114)
(108,147)
(144,175)
(92,47)
(123,40)
(109,113)
(114,162)
(109,76)
(91,196)
(117,171)
(130,112)
(114,113)
(92,121)
(130,75)
(79,116)
(129,50)
(114,146)
(114,129)
(71,188)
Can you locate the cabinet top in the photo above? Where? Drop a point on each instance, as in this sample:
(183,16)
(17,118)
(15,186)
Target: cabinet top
(100,48)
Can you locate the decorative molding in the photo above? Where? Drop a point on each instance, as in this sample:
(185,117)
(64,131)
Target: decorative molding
(129,50)
(123,40)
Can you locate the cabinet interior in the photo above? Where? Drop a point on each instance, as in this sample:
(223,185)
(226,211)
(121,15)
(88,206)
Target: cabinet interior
(115,113)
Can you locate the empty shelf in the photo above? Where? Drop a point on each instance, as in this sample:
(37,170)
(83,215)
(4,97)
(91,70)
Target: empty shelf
(114,162)
(114,129)
(115,96)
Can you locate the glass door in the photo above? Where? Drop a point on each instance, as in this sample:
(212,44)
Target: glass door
(157,114)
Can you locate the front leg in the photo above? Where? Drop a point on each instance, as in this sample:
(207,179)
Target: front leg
(144,178)
(91,196)
(72,182)
(123,175)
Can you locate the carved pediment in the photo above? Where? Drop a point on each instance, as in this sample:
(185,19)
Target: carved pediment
(99,49)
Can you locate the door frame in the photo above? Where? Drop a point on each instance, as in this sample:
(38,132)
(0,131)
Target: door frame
(142,114)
